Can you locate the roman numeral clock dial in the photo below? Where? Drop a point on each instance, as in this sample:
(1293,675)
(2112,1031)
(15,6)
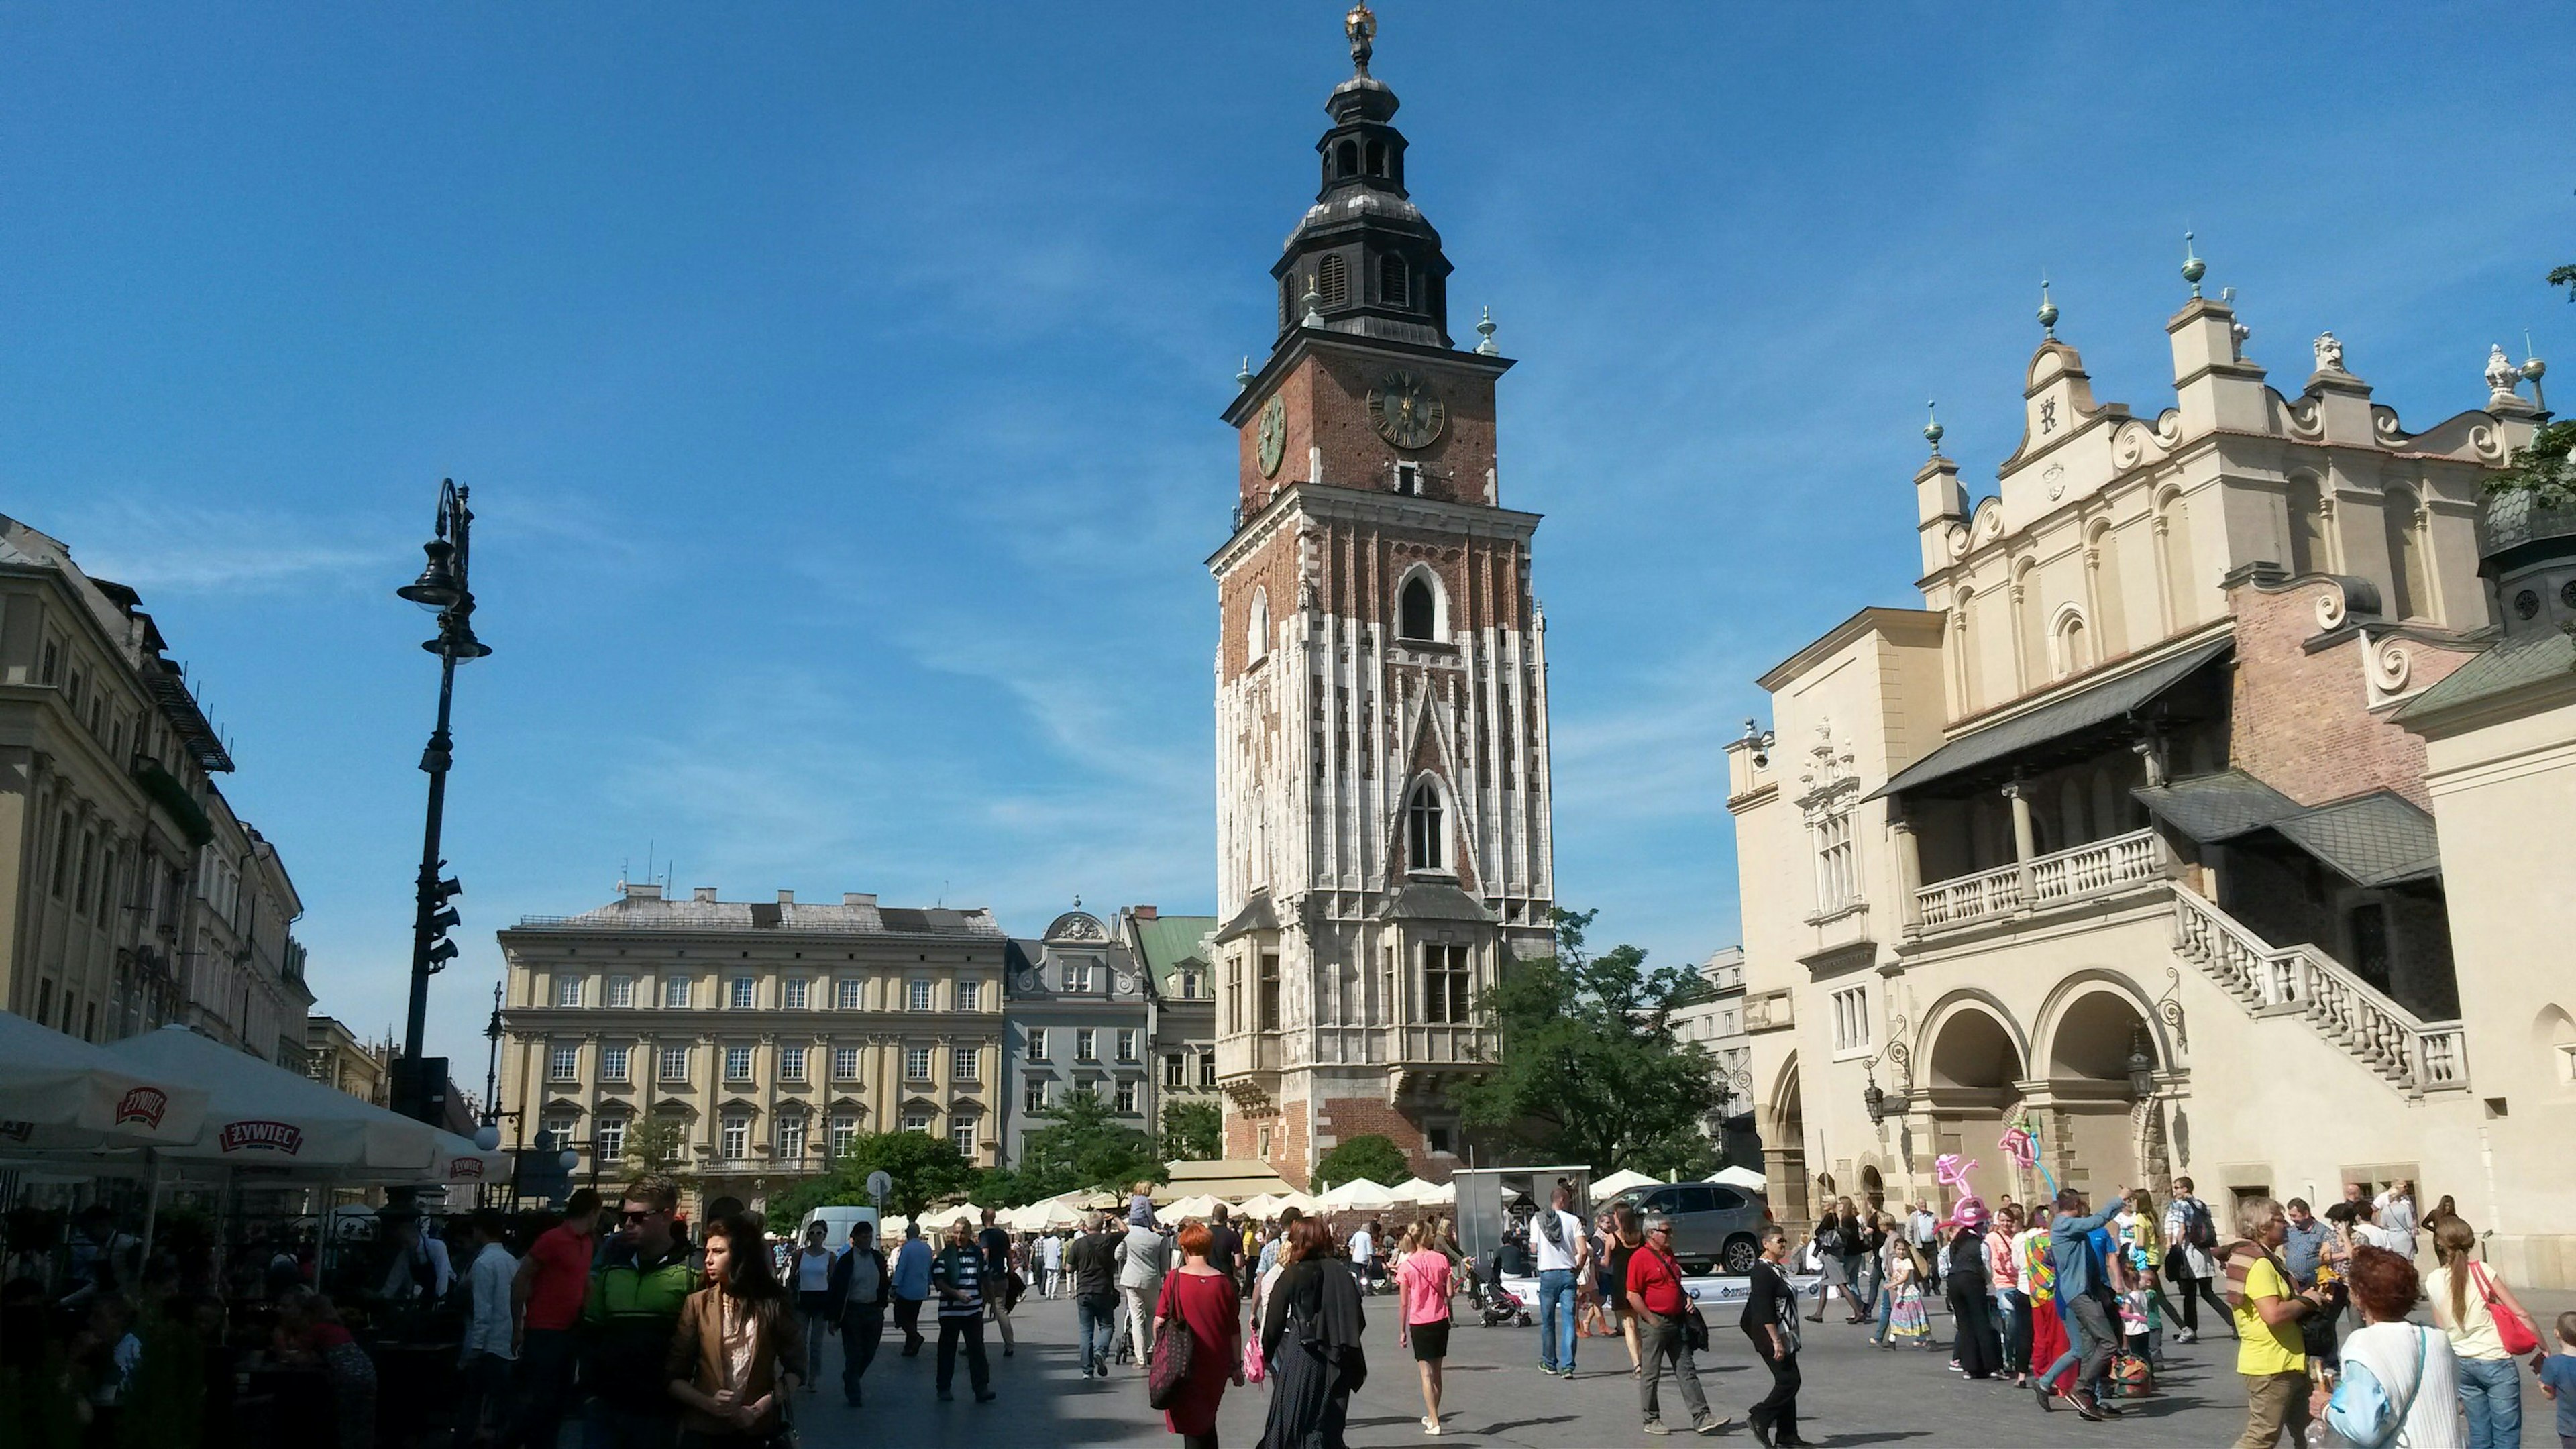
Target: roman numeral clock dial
(1407,412)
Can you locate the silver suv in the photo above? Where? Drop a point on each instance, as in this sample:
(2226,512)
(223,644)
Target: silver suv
(1713,1224)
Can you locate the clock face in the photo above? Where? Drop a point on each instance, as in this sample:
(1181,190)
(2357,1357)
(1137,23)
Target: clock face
(1407,412)
(1274,436)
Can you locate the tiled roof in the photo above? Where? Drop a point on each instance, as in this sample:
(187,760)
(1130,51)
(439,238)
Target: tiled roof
(1170,941)
(2212,808)
(2373,840)
(2506,667)
(2094,704)
(648,913)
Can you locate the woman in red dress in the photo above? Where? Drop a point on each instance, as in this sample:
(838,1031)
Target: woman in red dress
(1204,1298)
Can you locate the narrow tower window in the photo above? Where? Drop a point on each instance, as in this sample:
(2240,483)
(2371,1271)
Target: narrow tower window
(1377,158)
(1346,159)
(1422,827)
(1332,281)
(1391,289)
(1419,614)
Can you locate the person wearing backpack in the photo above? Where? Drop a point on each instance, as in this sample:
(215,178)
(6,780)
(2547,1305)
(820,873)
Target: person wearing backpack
(2400,1387)
(2192,1260)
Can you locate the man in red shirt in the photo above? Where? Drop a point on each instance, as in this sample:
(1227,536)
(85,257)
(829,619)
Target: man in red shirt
(546,1299)
(1663,1308)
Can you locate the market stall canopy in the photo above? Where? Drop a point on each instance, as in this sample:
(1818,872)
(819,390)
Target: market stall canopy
(1619,1182)
(1304,1202)
(1199,1205)
(1357,1193)
(58,1093)
(1744,1177)
(459,1163)
(1266,1205)
(258,1115)
(1424,1194)
(1226,1178)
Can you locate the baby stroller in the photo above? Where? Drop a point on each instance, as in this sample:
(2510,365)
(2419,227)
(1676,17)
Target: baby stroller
(1496,1304)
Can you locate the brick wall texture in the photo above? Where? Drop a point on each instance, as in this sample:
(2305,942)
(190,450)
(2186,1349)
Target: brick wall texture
(2302,722)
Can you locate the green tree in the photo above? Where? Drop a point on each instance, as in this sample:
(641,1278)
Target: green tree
(1368,1155)
(925,1170)
(2542,468)
(1193,1130)
(657,1142)
(1591,1070)
(1084,1145)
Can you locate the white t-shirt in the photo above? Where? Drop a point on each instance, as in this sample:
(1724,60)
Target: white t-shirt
(1552,1258)
(1050,1251)
(1363,1247)
(813,1271)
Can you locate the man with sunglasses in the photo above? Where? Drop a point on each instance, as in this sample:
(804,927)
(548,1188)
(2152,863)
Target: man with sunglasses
(634,1304)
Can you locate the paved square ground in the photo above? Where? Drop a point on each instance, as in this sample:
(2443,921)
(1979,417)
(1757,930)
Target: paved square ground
(1854,1395)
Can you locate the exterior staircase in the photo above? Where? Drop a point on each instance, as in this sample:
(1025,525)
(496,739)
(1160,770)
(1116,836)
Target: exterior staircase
(2414,1056)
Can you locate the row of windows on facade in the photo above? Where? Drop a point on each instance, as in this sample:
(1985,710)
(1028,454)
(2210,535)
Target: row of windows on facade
(1332,282)
(88,697)
(1447,984)
(795,993)
(85,878)
(739,1063)
(1038,1094)
(1086,1044)
(1078,977)
(733,1135)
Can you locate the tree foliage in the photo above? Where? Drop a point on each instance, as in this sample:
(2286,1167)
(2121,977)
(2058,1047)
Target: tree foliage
(1084,1145)
(925,1170)
(657,1142)
(1193,1130)
(1591,1070)
(2543,468)
(1368,1155)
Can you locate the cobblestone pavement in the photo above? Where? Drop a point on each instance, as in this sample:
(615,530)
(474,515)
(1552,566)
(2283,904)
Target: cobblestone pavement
(1853,1395)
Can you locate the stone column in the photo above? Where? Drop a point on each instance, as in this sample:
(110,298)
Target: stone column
(1909,875)
(2018,791)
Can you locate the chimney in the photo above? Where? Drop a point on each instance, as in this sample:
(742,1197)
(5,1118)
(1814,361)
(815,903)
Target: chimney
(787,898)
(1142,913)
(858,898)
(703,893)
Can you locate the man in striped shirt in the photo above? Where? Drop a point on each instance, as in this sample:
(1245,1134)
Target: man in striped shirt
(957,1278)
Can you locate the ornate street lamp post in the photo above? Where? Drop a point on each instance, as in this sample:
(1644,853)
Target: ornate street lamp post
(441,588)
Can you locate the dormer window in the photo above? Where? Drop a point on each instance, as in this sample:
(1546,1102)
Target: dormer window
(1391,286)
(1422,828)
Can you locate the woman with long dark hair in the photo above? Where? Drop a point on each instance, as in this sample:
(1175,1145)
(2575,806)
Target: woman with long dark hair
(1964,1277)
(1310,1339)
(737,1347)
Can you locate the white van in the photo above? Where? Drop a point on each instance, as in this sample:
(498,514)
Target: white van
(836,1225)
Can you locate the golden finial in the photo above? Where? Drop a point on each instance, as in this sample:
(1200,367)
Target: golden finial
(1361,26)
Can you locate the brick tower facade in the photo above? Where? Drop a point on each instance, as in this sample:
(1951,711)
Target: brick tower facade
(1381,687)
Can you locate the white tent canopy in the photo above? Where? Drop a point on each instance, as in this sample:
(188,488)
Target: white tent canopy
(1744,1177)
(1199,1206)
(59,1093)
(1425,1194)
(1618,1182)
(258,1115)
(1357,1193)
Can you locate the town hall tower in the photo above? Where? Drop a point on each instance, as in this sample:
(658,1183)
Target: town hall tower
(1383,844)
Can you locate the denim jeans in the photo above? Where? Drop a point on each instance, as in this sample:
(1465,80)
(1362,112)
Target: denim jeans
(1095,1322)
(2012,1315)
(1886,1305)
(2090,1335)
(2491,1391)
(1556,1320)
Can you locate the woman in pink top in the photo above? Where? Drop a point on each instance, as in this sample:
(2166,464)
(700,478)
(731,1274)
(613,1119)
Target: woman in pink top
(1422,1289)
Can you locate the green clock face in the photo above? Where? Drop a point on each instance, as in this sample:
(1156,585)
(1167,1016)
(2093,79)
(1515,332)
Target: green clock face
(1407,412)
(1274,436)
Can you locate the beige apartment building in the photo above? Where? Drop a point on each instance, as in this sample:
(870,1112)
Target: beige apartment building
(131,895)
(2130,833)
(774,1032)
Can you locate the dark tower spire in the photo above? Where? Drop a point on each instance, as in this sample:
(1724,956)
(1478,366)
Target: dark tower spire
(1363,260)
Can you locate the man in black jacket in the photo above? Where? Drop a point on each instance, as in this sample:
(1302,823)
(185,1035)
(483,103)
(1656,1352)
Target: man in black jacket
(861,1283)
(1094,1261)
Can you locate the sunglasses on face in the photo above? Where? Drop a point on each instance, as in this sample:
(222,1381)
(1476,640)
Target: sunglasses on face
(637,1215)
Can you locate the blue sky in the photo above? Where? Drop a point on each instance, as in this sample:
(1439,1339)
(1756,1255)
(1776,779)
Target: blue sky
(838,383)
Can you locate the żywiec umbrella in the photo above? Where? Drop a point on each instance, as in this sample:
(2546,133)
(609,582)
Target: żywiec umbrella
(258,1115)
(58,1093)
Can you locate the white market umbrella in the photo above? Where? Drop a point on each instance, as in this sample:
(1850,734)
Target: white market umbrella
(258,1115)
(1055,1212)
(1740,1177)
(1304,1202)
(1619,1182)
(1199,1206)
(457,1162)
(1263,1206)
(58,1093)
(1424,1194)
(1359,1193)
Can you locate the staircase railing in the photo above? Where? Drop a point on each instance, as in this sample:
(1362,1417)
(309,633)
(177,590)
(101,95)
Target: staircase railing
(2411,1054)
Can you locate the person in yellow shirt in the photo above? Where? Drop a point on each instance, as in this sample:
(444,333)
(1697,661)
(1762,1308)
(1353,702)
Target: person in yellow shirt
(2270,1354)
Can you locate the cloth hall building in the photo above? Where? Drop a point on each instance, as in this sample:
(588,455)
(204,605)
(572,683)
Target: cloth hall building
(2178,823)
(1381,685)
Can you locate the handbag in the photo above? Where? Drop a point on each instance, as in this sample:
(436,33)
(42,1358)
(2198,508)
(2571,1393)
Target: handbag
(1694,1327)
(1175,1352)
(1254,1366)
(2512,1329)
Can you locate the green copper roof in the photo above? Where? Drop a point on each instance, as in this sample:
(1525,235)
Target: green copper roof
(1170,941)
(2506,667)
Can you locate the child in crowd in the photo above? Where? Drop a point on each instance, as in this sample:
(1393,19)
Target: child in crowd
(1908,1323)
(2558,1380)
(2142,1317)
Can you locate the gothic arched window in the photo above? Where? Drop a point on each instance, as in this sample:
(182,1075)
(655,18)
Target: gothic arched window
(1332,281)
(1256,628)
(1391,288)
(1422,832)
(1419,617)
(1346,159)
